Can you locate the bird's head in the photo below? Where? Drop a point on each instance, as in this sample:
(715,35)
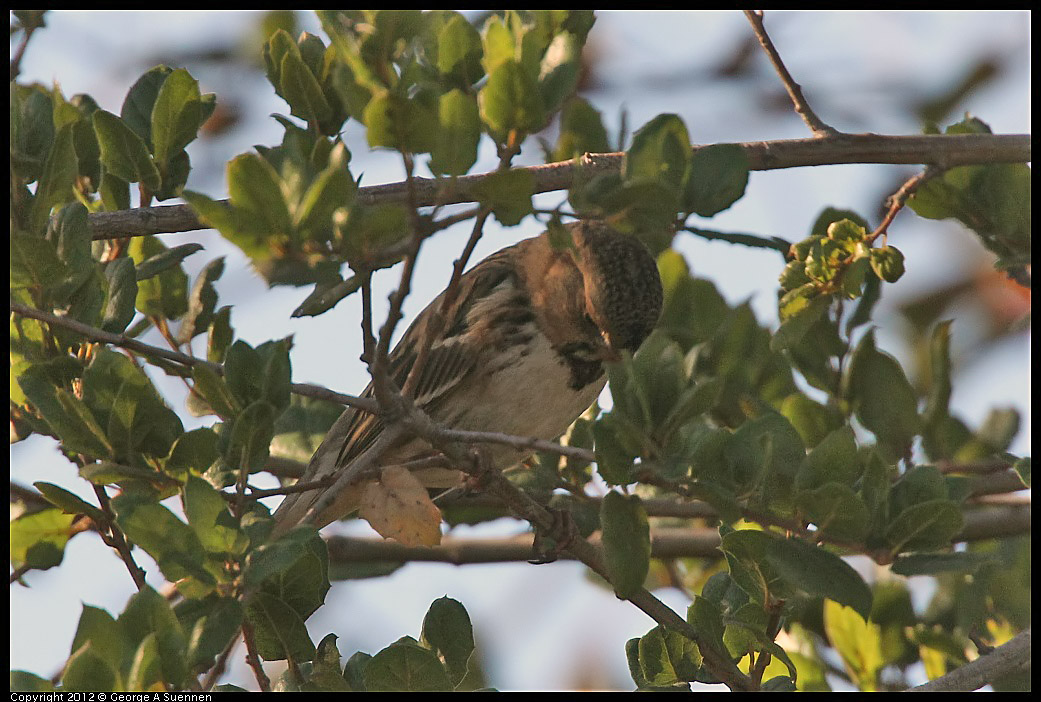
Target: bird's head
(623,291)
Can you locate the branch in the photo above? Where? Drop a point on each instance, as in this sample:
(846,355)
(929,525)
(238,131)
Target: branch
(815,123)
(542,519)
(1007,658)
(131,344)
(897,200)
(665,543)
(947,149)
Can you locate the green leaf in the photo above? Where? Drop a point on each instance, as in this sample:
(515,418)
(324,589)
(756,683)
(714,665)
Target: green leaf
(510,102)
(211,624)
(627,542)
(148,616)
(888,263)
(86,671)
(122,295)
(456,52)
(210,387)
(819,572)
(508,193)
(98,628)
(34,263)
(858,642)
(38,539)
(925,526)
(716,178)
(23,681)
(176,116)
(280,631)
(276,372)
(331,189)
(165,294)
(406,667)
(68,502)
(326,295)
(169,541)
(834,459)
(122,397)
(201,301)
(123,152)
(560,70)
(455,149)
(368,231)
(220,335)
(400,123)
(766,448)
(193,452)
(668,657)
(447,630)
(800,310)
(139,104)
(614,460)
(811,419)
(255,187)
(55,185)
(883,399)
(836,510)
(660,152)
(165,260)
(302,91)
(67,415)
(581,131)
(210,519)
(294,568)
(71,236)
(250,437)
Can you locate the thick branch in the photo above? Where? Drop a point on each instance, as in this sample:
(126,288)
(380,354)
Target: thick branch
(1005,659)
(946,150)
(665,543)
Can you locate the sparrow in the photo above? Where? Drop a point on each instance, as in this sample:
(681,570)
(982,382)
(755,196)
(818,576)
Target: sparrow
(521,351)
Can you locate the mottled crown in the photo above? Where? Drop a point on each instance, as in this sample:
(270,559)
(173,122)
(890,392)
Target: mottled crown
(621,282)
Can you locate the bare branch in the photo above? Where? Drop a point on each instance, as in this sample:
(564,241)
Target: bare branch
(1007,658)
(665,543)
(947,149)
(131,344)
(897,200)
(815,123)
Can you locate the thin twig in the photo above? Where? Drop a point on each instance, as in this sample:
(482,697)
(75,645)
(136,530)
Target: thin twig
(253,658)
(116,540)
(897,200)
(815,123)
(527,508)
(131,344)
(219,666)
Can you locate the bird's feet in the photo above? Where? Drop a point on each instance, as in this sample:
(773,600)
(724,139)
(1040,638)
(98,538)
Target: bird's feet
(550,543)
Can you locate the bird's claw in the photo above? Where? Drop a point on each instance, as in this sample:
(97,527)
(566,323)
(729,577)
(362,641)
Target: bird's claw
(550,543)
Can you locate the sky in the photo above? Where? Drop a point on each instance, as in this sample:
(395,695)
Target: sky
(550,627)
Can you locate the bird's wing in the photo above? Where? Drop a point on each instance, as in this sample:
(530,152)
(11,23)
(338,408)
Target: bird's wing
(452,356)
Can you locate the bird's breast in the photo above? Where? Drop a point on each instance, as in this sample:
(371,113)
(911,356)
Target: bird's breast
(525,389)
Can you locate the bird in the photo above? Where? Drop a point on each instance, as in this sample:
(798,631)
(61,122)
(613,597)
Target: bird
(521,350)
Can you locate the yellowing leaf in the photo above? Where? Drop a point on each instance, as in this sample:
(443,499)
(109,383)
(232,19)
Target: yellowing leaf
(398,507)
